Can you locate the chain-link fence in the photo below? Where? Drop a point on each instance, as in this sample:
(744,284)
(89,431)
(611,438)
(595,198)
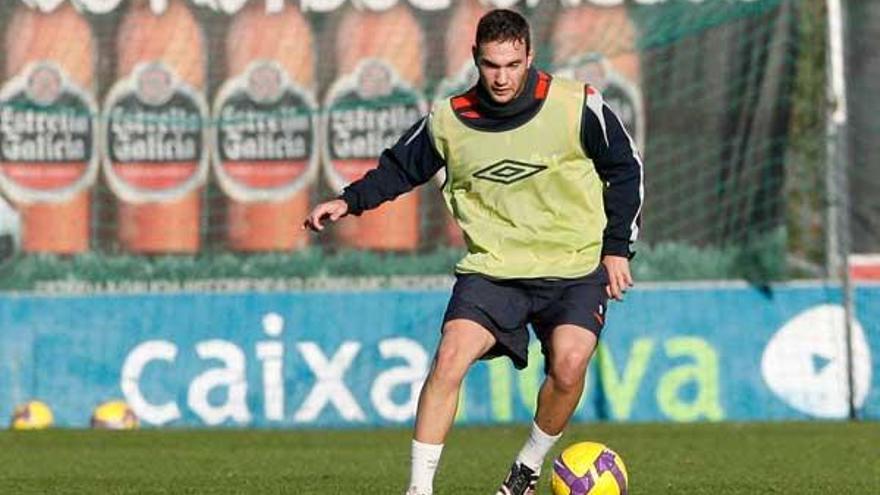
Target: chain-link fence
(187,141)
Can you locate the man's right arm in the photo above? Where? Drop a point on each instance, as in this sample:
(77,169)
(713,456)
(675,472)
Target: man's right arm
(411,162)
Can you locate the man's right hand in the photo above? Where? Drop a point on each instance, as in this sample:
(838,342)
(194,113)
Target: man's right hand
(331,210)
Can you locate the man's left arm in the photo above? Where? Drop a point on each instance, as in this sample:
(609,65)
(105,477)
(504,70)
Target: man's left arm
(619,166)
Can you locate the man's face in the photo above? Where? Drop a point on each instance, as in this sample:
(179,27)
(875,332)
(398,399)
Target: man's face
(503,66)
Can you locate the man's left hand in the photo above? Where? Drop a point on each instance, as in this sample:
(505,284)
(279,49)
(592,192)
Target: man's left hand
(619,278)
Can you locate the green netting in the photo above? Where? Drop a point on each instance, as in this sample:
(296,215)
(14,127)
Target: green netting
(725,98)
(863,72)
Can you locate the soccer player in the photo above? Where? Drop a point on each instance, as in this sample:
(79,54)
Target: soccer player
(547,187)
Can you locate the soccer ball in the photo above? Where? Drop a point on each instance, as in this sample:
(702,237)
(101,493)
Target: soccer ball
(588,468)
(114,415)
(33,415)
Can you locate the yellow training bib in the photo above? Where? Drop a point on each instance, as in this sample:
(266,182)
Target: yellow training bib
(529,199)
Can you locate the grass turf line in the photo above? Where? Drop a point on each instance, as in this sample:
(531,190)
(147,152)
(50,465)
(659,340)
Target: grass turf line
(716,459)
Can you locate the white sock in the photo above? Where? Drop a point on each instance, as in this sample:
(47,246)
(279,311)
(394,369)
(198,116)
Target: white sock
(425,457)
(536,448)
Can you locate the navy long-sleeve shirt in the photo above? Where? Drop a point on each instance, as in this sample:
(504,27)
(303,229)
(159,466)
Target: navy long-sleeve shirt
(413,160)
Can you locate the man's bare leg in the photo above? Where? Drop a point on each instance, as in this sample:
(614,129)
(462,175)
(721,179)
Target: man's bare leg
(462,343)
(570,349)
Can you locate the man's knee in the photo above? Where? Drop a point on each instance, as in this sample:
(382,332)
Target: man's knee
(447,372)
(571,347)
(463,342)
(568,369)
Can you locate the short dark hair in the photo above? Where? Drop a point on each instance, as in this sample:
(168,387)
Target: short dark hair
(503,25)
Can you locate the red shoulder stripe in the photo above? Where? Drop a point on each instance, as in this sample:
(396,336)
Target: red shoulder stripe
(466,100)
(543,85)
(464,105)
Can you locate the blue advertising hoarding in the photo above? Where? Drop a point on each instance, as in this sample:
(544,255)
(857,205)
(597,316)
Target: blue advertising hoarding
(348,359)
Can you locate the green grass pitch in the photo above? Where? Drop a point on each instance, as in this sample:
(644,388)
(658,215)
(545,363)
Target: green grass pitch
(717,459)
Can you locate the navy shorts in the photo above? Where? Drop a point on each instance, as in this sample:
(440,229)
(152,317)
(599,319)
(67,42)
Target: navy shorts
(507,307)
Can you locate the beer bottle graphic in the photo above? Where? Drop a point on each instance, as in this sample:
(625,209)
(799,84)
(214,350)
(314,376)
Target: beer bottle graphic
(155,130)
(597,45)
(372,102)
(265,152)
(48,156)
(460,75)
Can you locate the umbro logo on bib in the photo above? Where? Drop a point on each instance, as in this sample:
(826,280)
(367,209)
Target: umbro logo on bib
(509,171)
